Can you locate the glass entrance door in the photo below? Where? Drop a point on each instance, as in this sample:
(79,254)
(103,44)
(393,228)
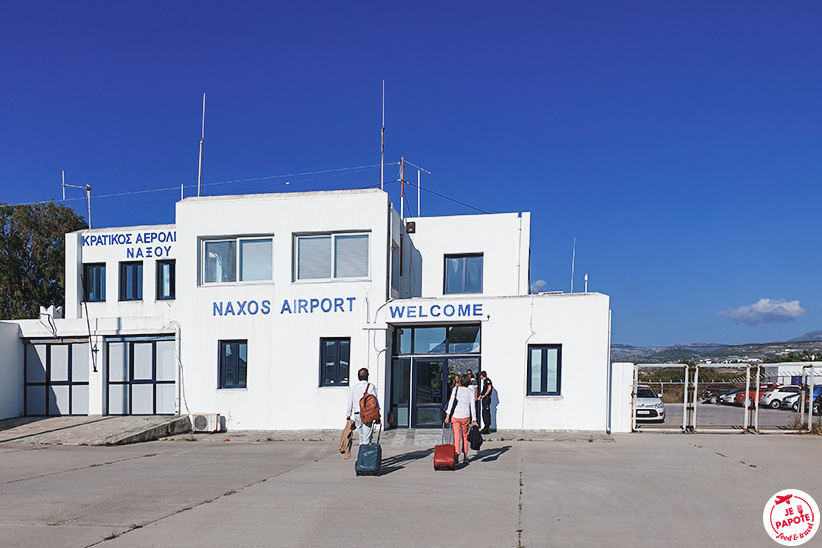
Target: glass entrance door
(429,392)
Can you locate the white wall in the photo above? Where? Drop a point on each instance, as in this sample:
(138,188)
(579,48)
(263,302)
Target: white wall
(503,239)
(578,322)
(622,386)
(11,370)
(283,348)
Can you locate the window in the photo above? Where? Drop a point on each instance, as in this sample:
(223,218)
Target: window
(131,281)
(334,361)
(455,339)
(463,273)
(233,358)
(165,280)
(544,369)
(331,256)
(221,263)
(94,282)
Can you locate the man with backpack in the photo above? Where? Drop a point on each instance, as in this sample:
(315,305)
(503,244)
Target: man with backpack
(364,429)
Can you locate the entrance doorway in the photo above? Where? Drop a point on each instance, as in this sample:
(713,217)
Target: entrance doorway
(421,387)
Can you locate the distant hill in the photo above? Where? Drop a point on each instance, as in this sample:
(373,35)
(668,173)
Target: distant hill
(716,353)
(812,336)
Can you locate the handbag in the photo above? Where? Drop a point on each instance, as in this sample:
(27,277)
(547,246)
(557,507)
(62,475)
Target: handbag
(453,405)
(475,438)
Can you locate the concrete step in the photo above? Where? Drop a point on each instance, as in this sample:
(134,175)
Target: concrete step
(90,430)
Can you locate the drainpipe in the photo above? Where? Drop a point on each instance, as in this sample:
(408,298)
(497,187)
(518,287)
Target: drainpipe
(178,375)
(609,380)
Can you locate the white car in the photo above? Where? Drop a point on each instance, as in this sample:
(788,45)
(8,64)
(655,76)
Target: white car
(773,398)
(649,406)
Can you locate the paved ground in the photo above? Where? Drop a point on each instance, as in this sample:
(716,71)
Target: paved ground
(638,490)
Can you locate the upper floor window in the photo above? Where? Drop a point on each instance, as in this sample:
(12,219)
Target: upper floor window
(331,256)
(94,282)
(238,259)
(131,281)
(544,369)
(463,273)
(165,280)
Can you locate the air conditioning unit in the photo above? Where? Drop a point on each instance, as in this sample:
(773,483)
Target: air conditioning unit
(205,422)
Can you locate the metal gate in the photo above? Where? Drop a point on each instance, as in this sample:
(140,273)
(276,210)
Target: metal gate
(738,410)
(140,376)
(56,378)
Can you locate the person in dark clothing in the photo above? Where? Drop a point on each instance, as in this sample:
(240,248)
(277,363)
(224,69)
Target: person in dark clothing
(475,386)
(485,396)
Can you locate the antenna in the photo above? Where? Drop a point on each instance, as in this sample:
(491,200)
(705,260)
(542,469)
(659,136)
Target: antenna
(87,188)
(402,188)
(382,141)
(586,282)
(202,142)
(418,192)
(573,260)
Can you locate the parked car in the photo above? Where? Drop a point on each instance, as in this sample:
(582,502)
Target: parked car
(729,398)
(714,392)
(817,400)
(788,402)
(649,406)
(773,398)
(753,395)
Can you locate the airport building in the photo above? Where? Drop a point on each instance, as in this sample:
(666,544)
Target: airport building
(262,308)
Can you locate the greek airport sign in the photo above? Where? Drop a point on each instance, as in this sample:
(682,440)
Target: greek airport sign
(137,245)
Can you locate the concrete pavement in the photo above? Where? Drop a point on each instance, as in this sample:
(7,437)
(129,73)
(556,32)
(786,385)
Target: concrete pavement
(672,490)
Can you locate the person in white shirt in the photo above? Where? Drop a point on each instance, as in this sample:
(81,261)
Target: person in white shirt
(364,431)
(461,414)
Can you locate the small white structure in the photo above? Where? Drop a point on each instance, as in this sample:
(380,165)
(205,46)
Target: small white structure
(262,308)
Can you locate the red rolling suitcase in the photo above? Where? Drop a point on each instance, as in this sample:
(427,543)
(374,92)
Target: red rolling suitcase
(444,454)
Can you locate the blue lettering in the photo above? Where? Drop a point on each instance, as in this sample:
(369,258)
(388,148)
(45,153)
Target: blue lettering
(396,311)
(338,305)
(266,304)
(130,253)
(85,240)
(464,310)
(302,306)
(241,308)
(412,311)
(217,309)
(422,312)
(314,304)
(128,239)
(139,239)
(168,250)
(446,312)
(322,305)
(286,307)
(478,310)
(250,303)
(139,253)
(229,308)
(438,307)
(148,252)
(351,303)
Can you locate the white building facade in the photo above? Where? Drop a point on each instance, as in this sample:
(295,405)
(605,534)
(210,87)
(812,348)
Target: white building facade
(262,308)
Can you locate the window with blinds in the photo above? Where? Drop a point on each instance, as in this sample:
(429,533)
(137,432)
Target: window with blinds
(331,256)
(238,260)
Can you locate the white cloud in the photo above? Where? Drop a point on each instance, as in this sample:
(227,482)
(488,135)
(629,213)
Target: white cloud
(538,286)
(765,311)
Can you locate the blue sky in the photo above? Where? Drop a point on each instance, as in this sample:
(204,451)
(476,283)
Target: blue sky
(678,142)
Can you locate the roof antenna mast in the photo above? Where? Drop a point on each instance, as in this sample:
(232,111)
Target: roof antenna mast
(573,260)
(87,188)
(382,141)
(202,142)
